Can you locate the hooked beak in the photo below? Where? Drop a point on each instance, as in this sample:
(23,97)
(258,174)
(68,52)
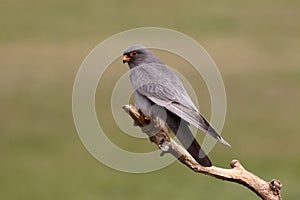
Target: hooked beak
(126,59)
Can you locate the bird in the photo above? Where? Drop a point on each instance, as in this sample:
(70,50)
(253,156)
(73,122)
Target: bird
(157,86)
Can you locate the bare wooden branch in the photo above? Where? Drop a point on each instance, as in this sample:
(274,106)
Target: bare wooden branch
(237,173)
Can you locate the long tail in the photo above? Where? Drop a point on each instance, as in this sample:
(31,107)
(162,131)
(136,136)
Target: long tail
(187,139)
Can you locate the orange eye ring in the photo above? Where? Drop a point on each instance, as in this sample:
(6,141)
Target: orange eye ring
(132,54)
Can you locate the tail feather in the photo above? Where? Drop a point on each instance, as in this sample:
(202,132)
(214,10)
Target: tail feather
(187,139)
(198,154)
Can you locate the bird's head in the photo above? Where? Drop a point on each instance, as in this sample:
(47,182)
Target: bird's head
(137,54)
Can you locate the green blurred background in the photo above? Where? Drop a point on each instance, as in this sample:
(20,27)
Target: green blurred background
(255,44)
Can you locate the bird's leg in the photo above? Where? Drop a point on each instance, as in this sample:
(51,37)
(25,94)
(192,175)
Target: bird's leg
(157,133)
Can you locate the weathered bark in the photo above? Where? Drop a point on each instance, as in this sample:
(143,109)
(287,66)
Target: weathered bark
(237,173)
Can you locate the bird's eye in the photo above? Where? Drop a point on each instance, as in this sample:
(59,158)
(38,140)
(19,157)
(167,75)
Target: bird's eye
(132,54)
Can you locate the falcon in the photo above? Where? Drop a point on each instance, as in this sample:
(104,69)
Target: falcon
(157,86)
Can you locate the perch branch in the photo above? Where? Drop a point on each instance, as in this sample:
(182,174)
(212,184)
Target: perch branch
(238,174)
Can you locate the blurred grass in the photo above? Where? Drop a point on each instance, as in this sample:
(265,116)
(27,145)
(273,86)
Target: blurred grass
(42,43)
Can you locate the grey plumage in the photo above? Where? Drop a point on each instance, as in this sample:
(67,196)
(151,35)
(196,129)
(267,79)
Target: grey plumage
(156,84)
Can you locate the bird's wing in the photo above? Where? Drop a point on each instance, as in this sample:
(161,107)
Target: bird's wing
(190,115)
(166,90)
